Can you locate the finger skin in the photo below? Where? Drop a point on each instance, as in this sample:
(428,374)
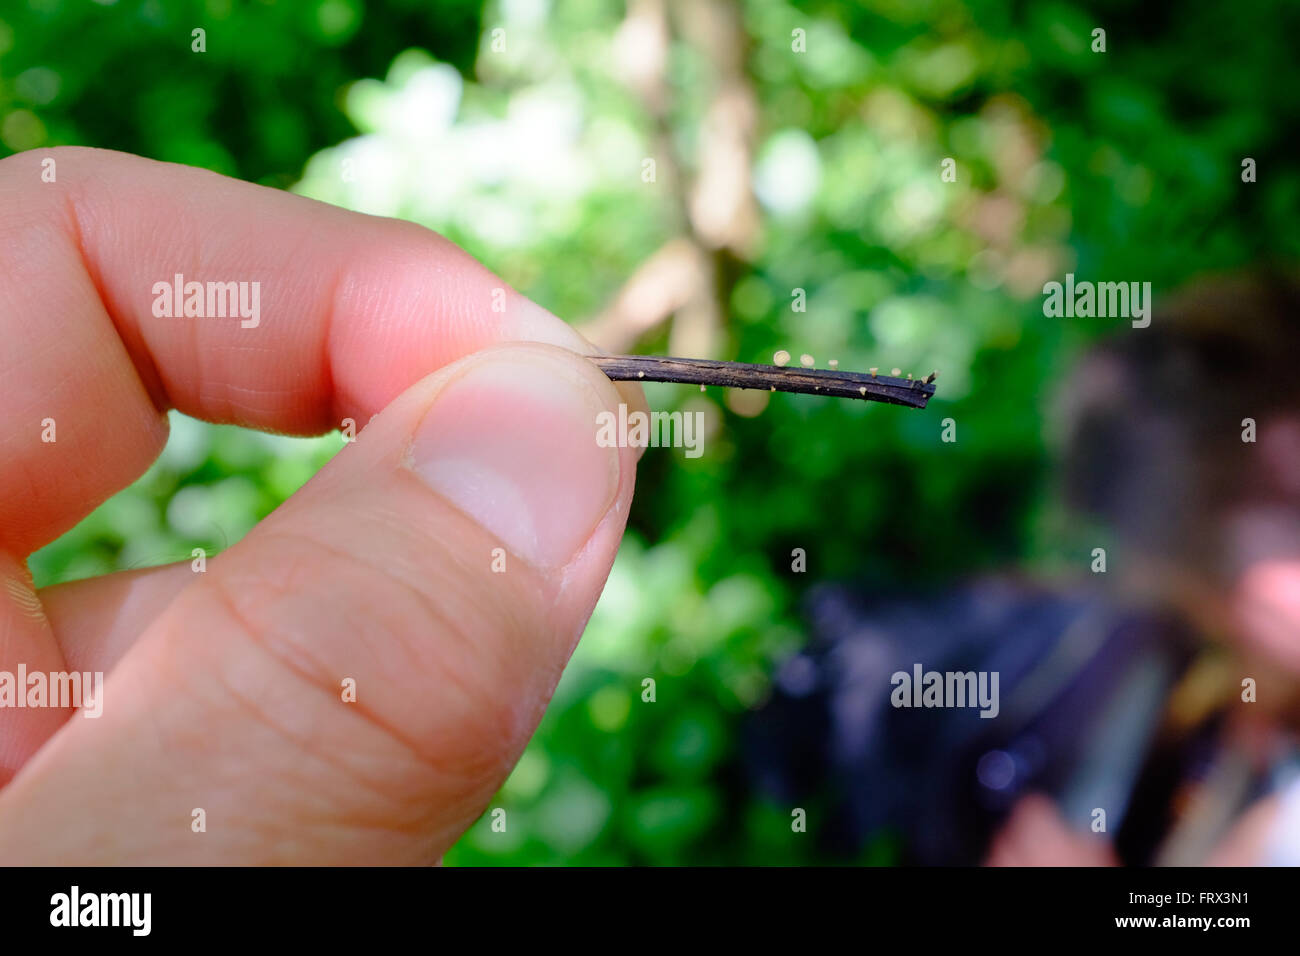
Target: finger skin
(353,309)
(231,702)
(27,637)
(97,620)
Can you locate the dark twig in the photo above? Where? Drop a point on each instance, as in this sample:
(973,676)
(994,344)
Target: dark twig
(811,381)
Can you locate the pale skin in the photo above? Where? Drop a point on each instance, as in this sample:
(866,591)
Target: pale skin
(1035,834)
(224,689)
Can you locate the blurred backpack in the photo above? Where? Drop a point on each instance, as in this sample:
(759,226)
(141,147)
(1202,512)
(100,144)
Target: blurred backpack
(1082,687)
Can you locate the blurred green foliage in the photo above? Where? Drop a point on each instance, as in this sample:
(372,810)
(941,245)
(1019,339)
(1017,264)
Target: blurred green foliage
(1117,165)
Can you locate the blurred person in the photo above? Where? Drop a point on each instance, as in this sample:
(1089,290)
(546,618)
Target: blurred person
(1198,426)
(1123,735)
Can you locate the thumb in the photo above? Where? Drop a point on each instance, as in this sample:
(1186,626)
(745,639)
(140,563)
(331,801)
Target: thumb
(353,681)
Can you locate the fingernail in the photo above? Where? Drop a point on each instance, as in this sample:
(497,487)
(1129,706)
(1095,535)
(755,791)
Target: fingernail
(512,443)
(532,323)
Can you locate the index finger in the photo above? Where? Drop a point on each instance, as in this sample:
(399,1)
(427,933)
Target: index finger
(337,313)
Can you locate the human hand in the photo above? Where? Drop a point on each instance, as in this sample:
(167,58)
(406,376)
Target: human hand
(225,690)
(1035,834)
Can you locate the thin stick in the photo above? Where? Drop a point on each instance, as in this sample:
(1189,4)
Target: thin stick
(810,381)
